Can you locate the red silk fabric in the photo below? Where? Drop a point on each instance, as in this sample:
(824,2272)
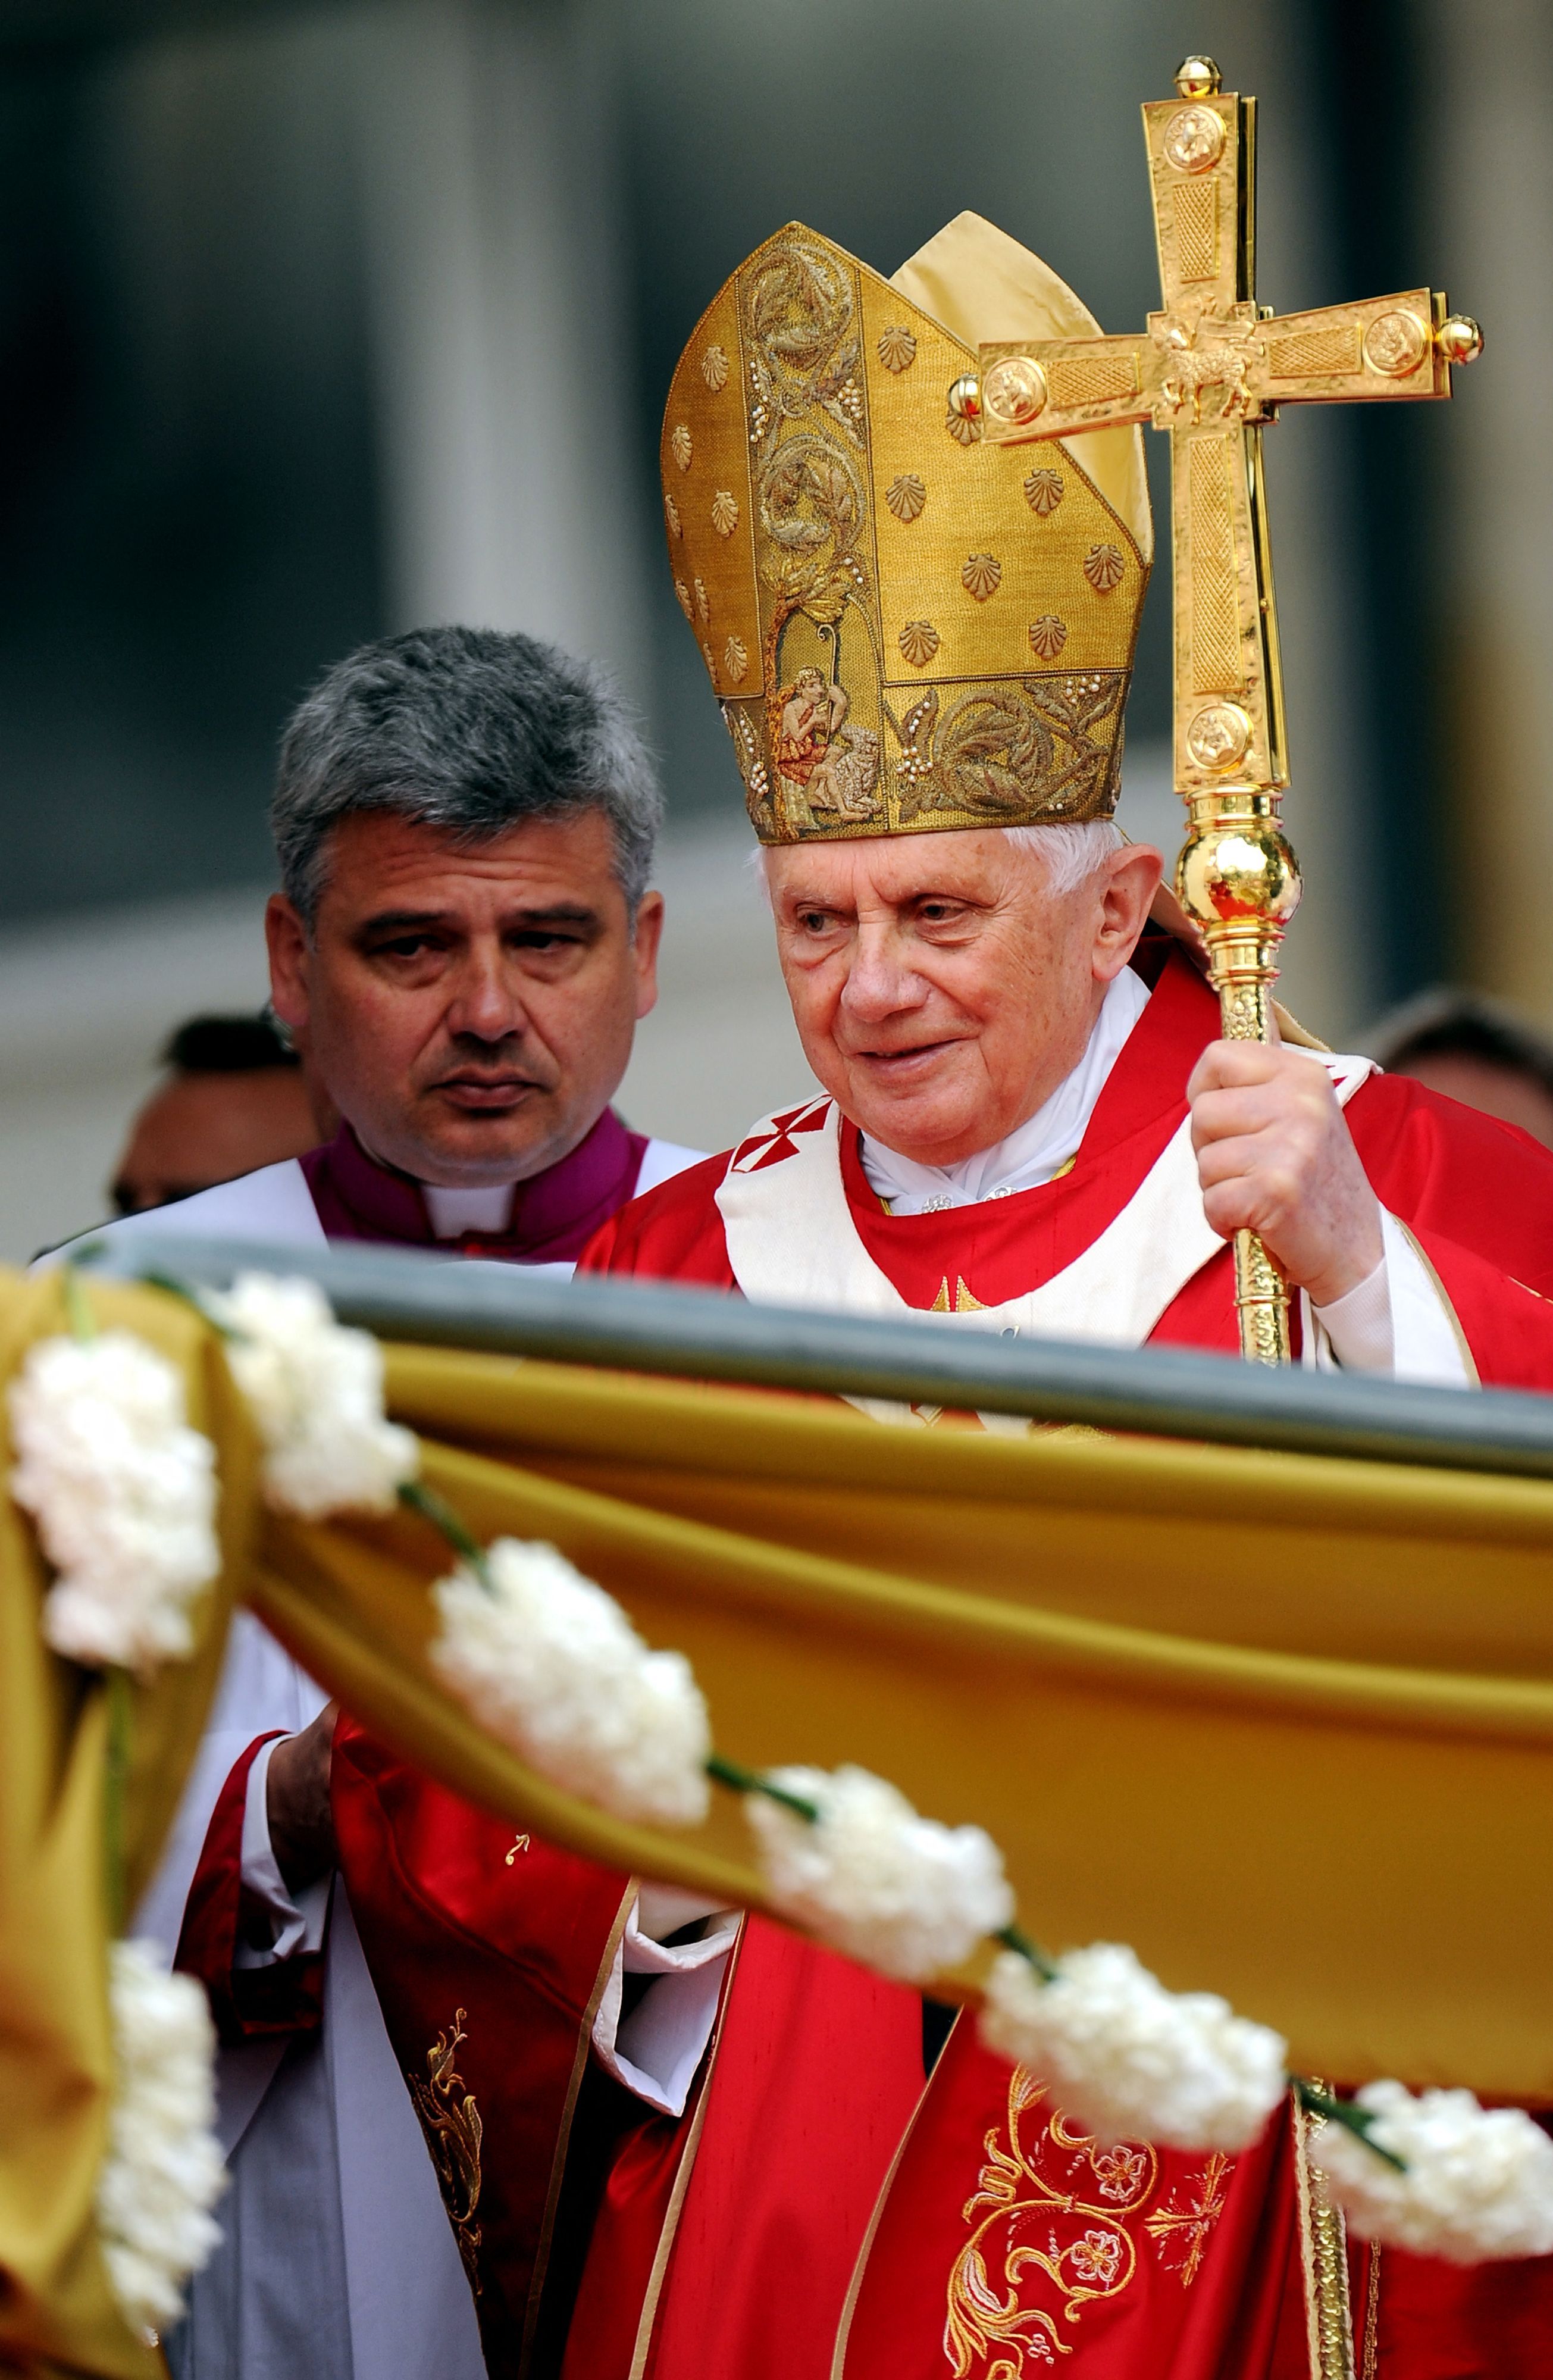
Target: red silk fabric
(817,2068)
(509,1957)
(247,2003)
(1009,2240)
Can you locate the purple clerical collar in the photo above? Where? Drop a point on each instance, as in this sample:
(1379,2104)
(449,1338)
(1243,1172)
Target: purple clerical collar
(553,1216)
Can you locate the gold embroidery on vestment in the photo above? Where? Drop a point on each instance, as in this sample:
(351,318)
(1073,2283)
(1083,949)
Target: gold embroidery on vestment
(453,2130)
(961,1303)
(1180,2231)
(1055,2218)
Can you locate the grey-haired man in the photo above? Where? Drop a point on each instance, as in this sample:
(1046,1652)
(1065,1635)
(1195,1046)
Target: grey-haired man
(465,823)
(464,940)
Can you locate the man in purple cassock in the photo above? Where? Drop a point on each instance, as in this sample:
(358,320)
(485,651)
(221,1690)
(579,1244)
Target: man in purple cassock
(464,943)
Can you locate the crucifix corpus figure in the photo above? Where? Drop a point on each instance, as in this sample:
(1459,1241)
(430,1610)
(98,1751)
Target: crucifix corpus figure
(1212,369)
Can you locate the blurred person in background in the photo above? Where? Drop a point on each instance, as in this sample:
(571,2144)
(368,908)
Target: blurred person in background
(464,944)
(1473,1050)
(237,1096)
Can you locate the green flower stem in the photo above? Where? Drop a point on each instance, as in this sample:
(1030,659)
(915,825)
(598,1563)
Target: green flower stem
(1013,1939)
(446,1521)
(1353,2117)
(749,1780)
(78,1306)
(172,1287)
(115,1779)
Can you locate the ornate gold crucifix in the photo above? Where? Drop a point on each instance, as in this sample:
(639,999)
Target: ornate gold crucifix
(1211,369)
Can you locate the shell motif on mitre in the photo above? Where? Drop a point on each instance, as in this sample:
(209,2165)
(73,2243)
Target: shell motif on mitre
(865,577)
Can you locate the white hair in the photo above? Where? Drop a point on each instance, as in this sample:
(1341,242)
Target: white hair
(1070,854)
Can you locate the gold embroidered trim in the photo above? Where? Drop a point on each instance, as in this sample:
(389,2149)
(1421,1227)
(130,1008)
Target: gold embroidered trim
(1056,2230)
(1181,2232)
(1369,2366)
(962,1301)
(452,2125)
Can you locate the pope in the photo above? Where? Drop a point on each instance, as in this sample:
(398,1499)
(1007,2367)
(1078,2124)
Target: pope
(1028,1123)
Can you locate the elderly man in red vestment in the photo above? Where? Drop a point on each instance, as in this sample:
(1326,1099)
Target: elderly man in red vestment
(1028,1123)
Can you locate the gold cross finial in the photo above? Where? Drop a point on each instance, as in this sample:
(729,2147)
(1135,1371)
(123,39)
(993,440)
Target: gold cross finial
(1213,367)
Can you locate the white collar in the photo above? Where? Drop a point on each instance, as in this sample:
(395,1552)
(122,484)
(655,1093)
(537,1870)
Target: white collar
(453,1213)
(1035,1150)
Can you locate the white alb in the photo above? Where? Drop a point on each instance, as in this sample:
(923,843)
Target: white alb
(871,1877)
(550,1664)
(315,1389)
(122,1492)
(164,2169)
(1128,2059)
(1478,2182)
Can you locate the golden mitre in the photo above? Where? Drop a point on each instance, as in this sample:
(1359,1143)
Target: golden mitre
(907,629)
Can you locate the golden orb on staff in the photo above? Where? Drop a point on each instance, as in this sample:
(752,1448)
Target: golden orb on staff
(1212,368)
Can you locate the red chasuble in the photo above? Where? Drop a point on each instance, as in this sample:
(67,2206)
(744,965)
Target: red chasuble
(1006,2243)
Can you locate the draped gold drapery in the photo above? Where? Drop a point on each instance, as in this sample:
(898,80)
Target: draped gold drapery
(1284,1723)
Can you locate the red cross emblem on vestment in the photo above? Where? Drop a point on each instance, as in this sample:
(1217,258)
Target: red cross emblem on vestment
(775,1141)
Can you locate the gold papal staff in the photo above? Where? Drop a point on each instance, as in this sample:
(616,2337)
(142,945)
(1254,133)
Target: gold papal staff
(1212,369)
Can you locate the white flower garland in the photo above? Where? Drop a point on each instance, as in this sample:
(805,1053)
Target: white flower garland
(1477,2183)
(872,1879)
(122,1492)
(164,2170)
(550,1664)
(315,1389)
(1131,2060)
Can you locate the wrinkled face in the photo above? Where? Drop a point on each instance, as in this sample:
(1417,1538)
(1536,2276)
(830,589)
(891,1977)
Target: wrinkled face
(469,1007)
(941,989)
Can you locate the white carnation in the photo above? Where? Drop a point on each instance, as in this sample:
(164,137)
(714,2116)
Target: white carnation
(315,1389)
(1478,2184)
(899,1892)
(1128,2059)
(164,2169)
(550,1664)
(123,1493)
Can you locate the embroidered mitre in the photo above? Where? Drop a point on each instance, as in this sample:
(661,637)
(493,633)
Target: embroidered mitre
(907,629)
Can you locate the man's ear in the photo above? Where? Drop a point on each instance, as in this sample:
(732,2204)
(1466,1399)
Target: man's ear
(644,952)
(1132,880)
(288,944)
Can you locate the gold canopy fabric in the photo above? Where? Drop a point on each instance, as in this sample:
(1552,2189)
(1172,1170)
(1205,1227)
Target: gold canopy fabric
(1285,1724)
